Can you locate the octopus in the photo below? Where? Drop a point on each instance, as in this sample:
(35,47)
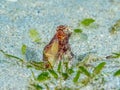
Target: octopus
(58,47)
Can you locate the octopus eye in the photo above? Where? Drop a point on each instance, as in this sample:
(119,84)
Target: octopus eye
(67,30)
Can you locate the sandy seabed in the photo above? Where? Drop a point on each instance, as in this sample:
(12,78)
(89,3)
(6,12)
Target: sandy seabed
(17,17)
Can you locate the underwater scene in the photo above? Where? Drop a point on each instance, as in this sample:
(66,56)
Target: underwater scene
(59,44)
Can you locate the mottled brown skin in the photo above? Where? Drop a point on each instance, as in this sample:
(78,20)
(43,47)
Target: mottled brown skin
(61,40)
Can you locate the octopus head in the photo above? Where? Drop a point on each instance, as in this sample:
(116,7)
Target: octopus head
(63,31)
